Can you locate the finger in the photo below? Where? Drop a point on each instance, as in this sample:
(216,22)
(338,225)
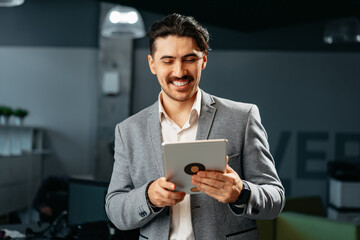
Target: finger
(162,197)
(217,196)
(214,183)
(166,184)
(166,202)
(215,193)
(172,198)
(213,175)
(165,190)
(223,194)
(217,190)
(207,188)
(171,195)
(229,169)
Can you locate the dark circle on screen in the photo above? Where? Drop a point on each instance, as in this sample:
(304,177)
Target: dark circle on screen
(193,168)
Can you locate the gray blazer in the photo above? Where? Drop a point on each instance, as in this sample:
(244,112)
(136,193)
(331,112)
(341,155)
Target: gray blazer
(138,160)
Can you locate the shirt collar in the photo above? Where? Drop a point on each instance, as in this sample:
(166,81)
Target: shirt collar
(196,105)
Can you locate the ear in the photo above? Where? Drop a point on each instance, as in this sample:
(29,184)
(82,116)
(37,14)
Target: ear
(204,58)
(151,64)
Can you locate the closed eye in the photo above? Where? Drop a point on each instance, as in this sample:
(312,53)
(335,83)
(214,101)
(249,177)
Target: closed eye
(168,62)
(190,60)
(167,59)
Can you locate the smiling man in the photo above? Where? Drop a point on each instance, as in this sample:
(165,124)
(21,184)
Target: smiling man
(140,197)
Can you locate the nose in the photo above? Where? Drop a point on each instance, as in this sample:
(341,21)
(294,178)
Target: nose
(179,69)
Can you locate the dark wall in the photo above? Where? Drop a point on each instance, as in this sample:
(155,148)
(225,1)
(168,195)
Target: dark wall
(296,37)
(307,93)
(69,23)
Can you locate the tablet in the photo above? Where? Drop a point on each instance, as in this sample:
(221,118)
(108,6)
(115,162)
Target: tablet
(184,159)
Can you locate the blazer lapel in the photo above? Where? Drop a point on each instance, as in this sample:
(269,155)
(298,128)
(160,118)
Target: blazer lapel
(155,137)
(207,114)
(205,123)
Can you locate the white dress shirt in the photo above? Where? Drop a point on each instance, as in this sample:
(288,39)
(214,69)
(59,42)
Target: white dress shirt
(181,224)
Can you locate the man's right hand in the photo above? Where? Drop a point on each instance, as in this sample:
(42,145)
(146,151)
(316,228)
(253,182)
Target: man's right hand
(161,193)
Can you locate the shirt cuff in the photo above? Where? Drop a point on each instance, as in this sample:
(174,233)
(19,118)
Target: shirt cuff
(150,205)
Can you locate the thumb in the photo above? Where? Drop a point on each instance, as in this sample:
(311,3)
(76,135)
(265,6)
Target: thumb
(229,169)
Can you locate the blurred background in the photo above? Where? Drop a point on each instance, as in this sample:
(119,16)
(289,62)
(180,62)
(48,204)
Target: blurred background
(298,61)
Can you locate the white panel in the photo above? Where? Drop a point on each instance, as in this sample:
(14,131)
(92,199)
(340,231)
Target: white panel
(110,83)
(344,194)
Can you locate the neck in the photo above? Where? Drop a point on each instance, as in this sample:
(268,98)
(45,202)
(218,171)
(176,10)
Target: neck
(178,111)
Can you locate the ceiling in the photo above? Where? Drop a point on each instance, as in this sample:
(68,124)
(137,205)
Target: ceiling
(251,15)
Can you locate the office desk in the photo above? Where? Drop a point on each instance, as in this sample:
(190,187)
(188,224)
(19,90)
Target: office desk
(36,228)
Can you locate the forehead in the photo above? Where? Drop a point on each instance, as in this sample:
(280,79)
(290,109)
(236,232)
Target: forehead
(175,46)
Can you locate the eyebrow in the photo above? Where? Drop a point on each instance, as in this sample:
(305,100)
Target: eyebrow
(166,56)
(190,55)
(185,56)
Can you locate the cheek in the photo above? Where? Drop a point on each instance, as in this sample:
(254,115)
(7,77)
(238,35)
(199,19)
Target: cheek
(199,67)
(198,70)
(162,76)
(163,73)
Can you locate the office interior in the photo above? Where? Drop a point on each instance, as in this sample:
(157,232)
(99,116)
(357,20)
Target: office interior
(297,61)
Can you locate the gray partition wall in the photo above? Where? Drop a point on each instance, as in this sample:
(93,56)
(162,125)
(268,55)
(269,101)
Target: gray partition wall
(308,102)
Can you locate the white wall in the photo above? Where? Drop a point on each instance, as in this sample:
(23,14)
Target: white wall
(57,85)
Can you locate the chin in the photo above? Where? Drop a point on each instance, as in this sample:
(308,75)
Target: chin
(183,98)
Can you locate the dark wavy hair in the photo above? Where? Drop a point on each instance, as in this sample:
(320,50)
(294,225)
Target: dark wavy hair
(182,26)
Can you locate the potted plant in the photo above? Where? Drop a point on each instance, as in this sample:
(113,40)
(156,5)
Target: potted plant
(20,115)
(5,113)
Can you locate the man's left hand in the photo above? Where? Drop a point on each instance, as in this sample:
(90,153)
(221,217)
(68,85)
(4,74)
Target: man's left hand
(225,187)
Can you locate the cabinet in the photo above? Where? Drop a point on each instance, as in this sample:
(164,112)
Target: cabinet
(20,166)
(344,191)
(19,180)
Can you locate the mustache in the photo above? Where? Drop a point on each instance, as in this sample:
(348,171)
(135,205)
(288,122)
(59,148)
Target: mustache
(185,77)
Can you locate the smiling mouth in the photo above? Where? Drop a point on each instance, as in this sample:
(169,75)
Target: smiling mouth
(181,82)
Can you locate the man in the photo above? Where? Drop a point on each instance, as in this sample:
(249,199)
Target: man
(140,197)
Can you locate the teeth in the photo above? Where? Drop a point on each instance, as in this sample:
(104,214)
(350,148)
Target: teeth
(180,83)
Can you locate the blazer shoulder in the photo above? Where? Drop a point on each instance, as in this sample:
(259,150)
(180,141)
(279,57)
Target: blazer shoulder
(230,105)
(139,118)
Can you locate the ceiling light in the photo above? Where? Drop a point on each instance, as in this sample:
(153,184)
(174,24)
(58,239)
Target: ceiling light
(10,3)
(122,21)
(341,31)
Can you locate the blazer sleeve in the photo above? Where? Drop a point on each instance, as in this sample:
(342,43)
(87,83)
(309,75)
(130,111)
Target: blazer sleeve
(267,197)
(125,205)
